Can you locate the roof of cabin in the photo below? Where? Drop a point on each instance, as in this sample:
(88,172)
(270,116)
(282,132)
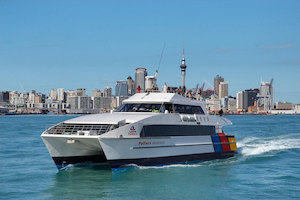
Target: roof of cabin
(162,98)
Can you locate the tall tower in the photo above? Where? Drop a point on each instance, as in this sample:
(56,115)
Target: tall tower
(223,89)
(183,69)
(140,74)
(217,80)
(130,86)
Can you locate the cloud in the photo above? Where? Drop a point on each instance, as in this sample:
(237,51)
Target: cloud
(287,46)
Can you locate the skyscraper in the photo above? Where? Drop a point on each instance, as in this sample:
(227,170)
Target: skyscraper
(53,94)
(60,94)
(223,89)
(32,95)
(121,88)
(217,80)
(130,86)
(249,98)
(140,74)
(4,96)
(107,92)
(183,70)
(239,101)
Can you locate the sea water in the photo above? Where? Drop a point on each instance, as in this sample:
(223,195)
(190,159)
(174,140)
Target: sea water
(266,167)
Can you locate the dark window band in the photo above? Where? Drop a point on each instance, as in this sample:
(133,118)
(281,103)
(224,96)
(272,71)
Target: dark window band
(176,130)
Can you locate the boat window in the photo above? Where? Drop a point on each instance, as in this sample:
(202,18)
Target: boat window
(140,108)
(168,107)
(187,109)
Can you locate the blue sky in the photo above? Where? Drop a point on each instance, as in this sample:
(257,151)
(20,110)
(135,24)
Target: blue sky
(91,44)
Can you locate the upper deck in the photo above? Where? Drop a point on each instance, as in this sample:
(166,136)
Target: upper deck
(163,98)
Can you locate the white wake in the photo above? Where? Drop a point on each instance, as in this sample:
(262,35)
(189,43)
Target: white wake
(250,146)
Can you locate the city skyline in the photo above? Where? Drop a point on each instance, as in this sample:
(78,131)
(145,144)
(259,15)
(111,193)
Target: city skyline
(46,45)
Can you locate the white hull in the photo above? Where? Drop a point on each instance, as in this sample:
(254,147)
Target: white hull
(73,149)
(135,148)
(152,151)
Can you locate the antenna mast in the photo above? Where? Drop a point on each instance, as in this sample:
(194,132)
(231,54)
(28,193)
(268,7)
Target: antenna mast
(161,56)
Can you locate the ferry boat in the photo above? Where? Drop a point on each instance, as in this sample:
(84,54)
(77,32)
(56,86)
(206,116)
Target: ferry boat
(148,129)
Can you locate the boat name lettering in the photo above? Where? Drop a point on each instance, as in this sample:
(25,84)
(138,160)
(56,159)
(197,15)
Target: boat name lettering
(150,143)
(145,143)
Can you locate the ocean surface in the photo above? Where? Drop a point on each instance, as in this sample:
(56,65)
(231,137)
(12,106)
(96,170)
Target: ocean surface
(267,166)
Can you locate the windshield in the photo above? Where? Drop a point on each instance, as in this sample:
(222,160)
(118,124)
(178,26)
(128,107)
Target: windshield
(140,108)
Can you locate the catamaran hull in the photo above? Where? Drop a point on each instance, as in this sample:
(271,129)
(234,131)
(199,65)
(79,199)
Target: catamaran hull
(62,162)
(182,159)
(160,151)
(66,150)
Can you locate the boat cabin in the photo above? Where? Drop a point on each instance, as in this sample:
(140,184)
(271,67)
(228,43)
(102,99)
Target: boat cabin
(162,103)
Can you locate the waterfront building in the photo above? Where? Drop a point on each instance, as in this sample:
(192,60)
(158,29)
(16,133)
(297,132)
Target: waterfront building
(12,95)
(231,105)
(228,104)
(4,97)
(18,101)
(239,102)
(140,74)
(223,89)
(224,103)
(69,93)
(217,80)
(57,107)
(84,102)
(38,98)
(107,92)
(288,111)
(130,86)
(150,82)
(121,88)
(266,96)
(96,93)
(249,98)
(119,101)
(25,95)
(103,104)
(53,94)
(80,102)
(60,94)
(72,102)
(31,97)
(213,104)
(80,92)
(183,71)
(284,106)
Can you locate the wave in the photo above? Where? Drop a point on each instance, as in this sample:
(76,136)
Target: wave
(251,146)
(171,166)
